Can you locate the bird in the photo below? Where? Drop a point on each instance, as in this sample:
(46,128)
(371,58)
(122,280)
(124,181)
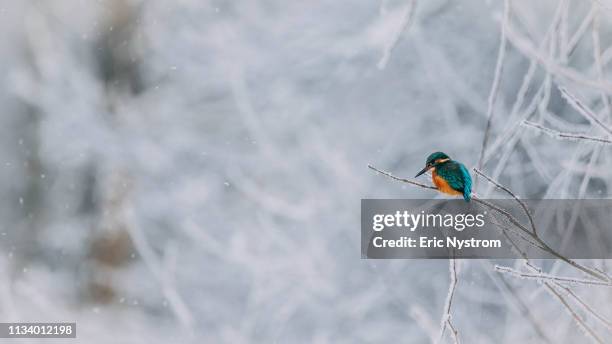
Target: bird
(449,176)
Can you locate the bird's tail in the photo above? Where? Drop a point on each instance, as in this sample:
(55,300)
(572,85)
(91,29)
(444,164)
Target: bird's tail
(467,191)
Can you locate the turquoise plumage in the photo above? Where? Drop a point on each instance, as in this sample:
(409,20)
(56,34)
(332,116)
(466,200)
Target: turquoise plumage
(457,177)
(449,176)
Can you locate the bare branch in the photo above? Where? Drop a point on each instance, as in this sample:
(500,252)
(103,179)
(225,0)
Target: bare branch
(499,67)
(597,58)
(597,274)
(583,109)
(520,235)
(581,323)
(553,67)
(549,285)
(606,322)
(401,179)
(523,205)
(561,135)
(542,276)
(454,332)
(446,315)
(523,308)
(405,23)
(580,32)
(575,315)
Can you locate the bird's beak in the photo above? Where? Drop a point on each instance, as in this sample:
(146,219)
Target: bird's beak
(425,169)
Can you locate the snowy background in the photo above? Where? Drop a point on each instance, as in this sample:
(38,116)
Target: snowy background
(191,171)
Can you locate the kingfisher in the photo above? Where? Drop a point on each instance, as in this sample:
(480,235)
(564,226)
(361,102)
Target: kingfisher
(449,176)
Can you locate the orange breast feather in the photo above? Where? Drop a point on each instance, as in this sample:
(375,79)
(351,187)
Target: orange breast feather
(442,185)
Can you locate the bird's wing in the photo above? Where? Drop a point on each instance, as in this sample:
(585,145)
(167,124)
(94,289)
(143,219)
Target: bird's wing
(456,175)
(467,180)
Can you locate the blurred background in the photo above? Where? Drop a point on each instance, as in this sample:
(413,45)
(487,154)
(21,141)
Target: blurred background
(191,171)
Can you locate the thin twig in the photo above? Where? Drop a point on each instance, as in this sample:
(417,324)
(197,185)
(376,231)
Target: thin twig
(524,309)
(401,179)
(575,315)
(541,276)
(520,235)
(563,32)
(506,214)
(597,57)
(532,106)
(454,332)
(580,32)
(607,323)
(562,135)
(549,285)
(405,23)
(599,275)
(551,66)
(446,315)
(499,67)
(508,134)
(523,205)
(583,109)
